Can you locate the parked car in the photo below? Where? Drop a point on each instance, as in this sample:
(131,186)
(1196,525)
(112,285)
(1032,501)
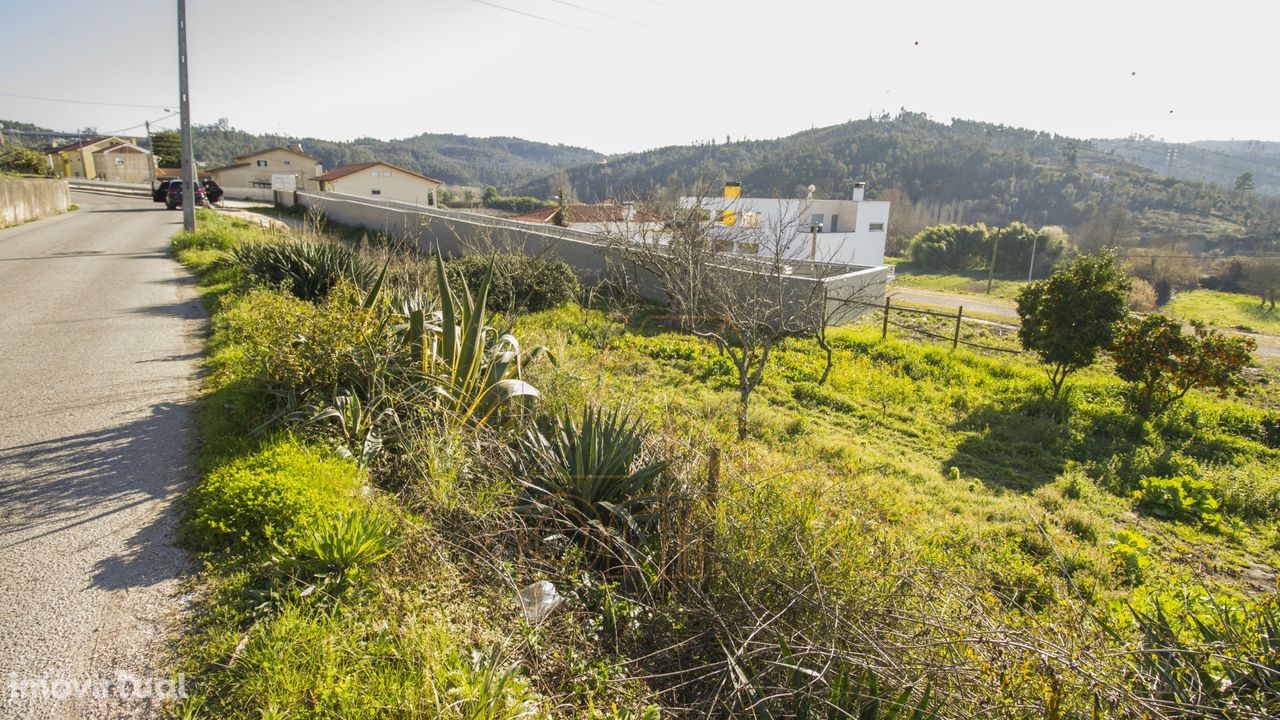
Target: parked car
(213,191)
(173,198)
(161,190)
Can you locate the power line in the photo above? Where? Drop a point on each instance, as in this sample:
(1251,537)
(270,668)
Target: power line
(598,12)
(539,17)
(135,127)
(84,102)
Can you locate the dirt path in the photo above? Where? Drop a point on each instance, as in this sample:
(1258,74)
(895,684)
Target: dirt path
(100,331)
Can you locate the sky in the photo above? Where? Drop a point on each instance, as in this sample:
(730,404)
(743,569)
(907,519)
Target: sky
(619,76)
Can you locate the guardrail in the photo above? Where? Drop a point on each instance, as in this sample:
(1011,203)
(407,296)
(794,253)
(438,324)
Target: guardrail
(112,188)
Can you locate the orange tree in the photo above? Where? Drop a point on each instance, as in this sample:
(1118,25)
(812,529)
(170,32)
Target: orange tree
(1164,364)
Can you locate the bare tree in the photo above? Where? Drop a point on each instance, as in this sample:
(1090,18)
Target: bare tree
(740,277)
(1262,277)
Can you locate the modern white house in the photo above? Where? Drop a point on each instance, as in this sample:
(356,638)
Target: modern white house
(851,231)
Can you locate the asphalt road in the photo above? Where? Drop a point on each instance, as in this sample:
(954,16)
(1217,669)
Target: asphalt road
(99,341)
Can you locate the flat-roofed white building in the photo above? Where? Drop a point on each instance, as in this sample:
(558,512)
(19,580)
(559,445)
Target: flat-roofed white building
(851,231)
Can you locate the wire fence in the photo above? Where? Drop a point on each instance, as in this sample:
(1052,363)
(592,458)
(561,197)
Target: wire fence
(887,308)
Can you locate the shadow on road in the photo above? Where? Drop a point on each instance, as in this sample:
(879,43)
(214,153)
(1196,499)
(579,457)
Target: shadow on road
(78,479)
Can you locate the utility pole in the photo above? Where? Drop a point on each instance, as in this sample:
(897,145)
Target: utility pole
(1032,266)
(184,97)
(151,161)
(991,273)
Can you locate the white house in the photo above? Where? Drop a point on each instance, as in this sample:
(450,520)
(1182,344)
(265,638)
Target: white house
(849,231)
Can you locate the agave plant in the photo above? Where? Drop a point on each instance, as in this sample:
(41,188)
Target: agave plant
(475,371)
(590,474)
(310,269)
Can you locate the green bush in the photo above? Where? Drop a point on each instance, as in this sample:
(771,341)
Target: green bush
(301,345)
(309,269)
(336,556)
(518,281)
(1179,498)
(1132,554)
(270,496)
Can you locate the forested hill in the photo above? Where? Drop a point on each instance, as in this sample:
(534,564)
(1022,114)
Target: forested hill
(960,171)
(457,159)
(1222,162)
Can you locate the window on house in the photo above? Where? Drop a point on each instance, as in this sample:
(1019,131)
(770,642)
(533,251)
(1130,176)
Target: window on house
(262,163)
(375,192)
(386,173)
(876,227)
(751,219)
(815,219)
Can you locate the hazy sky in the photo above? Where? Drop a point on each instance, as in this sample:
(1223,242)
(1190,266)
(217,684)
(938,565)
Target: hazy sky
(618,76)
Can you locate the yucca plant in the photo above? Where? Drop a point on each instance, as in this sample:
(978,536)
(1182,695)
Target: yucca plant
(308,268)
(591,474)
(475,371)
(336,556)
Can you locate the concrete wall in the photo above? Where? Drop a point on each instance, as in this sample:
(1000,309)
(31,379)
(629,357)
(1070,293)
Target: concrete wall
(812,291)
(248,193)
(23,199)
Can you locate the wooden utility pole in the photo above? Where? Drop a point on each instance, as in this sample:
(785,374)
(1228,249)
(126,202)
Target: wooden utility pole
(184,99)
(151,164)
(991,272)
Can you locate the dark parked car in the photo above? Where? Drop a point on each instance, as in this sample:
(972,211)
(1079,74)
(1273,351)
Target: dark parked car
(173,197)
(213,191)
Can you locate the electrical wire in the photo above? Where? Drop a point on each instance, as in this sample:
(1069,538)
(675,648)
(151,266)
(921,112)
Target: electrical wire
(539,17)
(601,13)
(84,102)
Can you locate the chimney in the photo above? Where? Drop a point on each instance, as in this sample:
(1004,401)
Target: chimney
(732,190)
(859,191)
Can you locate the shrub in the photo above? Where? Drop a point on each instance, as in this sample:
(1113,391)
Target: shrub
(590,474)
(270,496)
(18,159)
(1132,554)
(308,268)
(518,281)
(1179,498)
(1142,295)
(302,346)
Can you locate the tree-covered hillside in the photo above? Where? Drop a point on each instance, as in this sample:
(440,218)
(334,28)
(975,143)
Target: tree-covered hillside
(456,159)
(960,171)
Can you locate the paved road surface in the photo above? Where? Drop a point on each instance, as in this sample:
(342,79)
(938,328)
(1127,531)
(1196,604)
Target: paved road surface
(99,339)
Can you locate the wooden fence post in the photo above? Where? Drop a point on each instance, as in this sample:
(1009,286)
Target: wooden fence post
(955,342)
(884,331)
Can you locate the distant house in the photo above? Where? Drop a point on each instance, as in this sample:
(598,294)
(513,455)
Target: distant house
(381,181)
(851,231)
(125,163)
(80,160)
(281,168)
(576,214)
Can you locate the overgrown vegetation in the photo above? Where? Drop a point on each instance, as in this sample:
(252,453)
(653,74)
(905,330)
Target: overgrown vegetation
(924,533)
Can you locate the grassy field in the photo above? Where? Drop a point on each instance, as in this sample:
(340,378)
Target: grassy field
(925,518)
(1226,310)
(973,282)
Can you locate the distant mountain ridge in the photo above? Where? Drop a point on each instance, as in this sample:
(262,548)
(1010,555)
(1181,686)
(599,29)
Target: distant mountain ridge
(1215,161)
(957,171)
(455,159)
